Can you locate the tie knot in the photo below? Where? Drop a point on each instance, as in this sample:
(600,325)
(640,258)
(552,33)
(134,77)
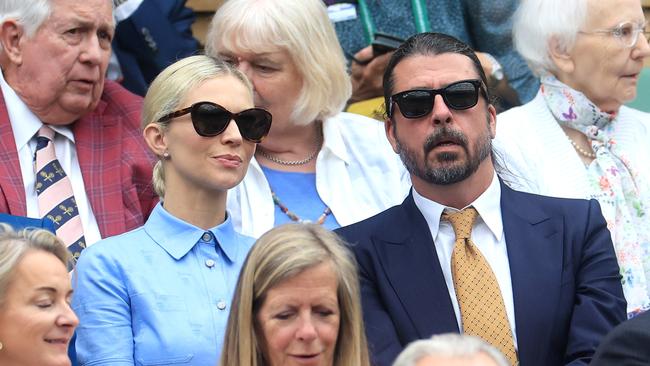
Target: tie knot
(462,222)
(44,136)
(46,131)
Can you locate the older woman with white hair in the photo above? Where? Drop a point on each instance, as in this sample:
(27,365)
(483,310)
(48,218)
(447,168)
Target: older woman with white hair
(451,349)
(576,139)
(160,294)
(317,164)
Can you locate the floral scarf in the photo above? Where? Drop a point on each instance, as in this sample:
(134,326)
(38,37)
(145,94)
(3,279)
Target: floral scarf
(613,184)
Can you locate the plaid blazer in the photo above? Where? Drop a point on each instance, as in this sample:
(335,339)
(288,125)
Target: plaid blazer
(115,162)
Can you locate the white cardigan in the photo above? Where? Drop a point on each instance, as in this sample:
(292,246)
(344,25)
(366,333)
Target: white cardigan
(357,175)
(539,158)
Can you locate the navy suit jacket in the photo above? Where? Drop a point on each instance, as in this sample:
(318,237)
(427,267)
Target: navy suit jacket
(565,278)
(157,34)
(627,344)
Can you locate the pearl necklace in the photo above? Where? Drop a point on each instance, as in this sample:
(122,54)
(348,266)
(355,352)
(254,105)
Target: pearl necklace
(275,159)
(288,162)
(582,151)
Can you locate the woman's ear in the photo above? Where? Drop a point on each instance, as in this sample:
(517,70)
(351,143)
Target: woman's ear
(561,57)
(154,135)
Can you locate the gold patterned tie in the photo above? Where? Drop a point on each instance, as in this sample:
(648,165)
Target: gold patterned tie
(482,310)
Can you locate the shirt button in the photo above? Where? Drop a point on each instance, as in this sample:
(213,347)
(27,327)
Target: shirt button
(209,263)
(206,236)
(221,305)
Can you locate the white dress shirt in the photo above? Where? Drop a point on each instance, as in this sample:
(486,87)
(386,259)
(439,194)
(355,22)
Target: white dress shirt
(25,124)
(487,235)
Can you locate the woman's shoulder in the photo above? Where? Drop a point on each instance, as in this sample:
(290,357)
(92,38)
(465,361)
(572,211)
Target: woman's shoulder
(635,117)
(118,247)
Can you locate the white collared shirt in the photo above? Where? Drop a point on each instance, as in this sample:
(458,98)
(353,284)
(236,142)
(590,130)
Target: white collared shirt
(487,235)
(25,124)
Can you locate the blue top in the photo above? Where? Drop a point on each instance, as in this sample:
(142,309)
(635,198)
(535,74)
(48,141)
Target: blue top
(157,295)
(21,222)
(484,25)
(297,191)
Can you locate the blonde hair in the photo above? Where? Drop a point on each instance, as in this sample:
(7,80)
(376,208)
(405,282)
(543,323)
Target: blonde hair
(169,89)
(278,255)
(15,244)
(299,27)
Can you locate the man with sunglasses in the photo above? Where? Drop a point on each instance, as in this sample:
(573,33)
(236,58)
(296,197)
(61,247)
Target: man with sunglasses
(534,276)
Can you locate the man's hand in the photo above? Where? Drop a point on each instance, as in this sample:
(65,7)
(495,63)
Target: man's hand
(367,73)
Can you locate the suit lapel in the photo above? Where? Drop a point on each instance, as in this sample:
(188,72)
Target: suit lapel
(535,251)
(99,151)
(406,251)
(11,179)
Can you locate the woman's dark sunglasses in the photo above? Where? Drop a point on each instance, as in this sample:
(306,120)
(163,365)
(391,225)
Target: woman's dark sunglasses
(418,103)
(210,119)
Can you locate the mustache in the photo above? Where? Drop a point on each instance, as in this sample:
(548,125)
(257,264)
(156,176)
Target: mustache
(444,134)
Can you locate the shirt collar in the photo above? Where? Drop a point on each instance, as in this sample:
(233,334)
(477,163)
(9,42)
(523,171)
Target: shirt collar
(178,237)
(333,141)
(488,206)
(24,123)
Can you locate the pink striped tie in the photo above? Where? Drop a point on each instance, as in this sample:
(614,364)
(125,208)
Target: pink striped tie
(55,197)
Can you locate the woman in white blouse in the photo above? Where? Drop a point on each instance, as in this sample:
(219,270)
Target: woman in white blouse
(317,164)
(576,139)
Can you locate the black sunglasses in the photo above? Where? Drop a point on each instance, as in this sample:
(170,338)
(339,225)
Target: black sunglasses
(210,119)
(418,103)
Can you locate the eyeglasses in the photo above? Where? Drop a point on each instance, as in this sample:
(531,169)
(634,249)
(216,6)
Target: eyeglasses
(418,103)
(210,119)
(627,33)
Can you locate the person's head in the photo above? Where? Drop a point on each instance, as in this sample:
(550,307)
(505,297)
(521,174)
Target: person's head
(593,46)
(202,146)
(297,300)
(35,293)
(451,350)
(54,54)
(442,138)
(290,52)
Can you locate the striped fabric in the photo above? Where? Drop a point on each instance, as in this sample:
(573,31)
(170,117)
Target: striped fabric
(55,197)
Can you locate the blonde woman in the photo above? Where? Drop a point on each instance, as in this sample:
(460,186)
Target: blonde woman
(35,292)
(297,303)
(161,294)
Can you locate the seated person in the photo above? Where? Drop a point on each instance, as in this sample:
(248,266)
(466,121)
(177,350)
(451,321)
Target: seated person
(35,293)
(296,303)
(576,139)
(150,35)
(484,25)
(451,350)
(626,345)
(534,276)
(160,294)
(317,164)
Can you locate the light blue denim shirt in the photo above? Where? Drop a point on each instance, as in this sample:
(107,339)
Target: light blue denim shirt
(158,295)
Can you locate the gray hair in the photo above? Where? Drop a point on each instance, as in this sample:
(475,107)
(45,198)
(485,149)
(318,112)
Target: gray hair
(28,13)
(449,345)
(299,27)
(168,90)
(537,22)
(15,244)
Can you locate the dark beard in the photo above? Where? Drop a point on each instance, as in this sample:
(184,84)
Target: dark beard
(452,171)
